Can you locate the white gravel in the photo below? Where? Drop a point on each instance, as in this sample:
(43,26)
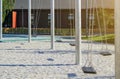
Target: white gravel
(37,61)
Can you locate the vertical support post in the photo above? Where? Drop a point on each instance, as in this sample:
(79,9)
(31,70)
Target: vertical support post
(78,31)
(29,20)
(117,39)
(0,19)
(86,18)
(52,3)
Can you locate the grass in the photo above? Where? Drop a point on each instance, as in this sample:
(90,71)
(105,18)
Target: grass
(108,37)
(65,32)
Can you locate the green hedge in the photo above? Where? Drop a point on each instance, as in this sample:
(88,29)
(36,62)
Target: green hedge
(39,31)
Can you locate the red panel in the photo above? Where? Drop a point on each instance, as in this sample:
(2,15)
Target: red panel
(14,15)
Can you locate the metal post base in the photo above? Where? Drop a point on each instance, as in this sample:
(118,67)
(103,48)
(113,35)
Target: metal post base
(105,53)
(89,70)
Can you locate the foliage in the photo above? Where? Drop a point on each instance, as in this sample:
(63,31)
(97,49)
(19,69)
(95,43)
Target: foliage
(7,7)
(39,31)
(62,32)
(108,37)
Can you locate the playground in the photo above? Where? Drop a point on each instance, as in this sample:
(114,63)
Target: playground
(52,43)
(37,61)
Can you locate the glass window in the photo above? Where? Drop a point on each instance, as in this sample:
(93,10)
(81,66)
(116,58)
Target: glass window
(91,17)
(71,16)
(49,16)
(32,19)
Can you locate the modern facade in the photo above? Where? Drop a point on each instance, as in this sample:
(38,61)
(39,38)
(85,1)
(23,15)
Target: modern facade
(64,12)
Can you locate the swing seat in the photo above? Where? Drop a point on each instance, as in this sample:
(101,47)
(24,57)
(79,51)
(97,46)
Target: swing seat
(72,44)
(34,35)
(40,52)
(105,53)
(17,46)
(89,70)
(59,41)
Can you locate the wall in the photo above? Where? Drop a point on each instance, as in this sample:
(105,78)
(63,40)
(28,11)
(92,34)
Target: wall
(61,19)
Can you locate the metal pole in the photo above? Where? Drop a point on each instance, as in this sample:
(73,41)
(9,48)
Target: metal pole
(52,24)
(0,19)
(86,18)
(29,20)
(117,39)
(78,31)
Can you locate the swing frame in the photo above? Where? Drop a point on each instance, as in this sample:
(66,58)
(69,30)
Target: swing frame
(52,10)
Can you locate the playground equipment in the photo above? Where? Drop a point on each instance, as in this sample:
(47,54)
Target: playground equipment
(105,51)
(90,16)
(52,12)
(88,67)
(70,20)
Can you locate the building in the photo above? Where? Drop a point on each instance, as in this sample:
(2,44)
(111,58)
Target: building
(64,12)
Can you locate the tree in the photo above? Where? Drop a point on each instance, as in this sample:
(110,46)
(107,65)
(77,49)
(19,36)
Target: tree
(8,5)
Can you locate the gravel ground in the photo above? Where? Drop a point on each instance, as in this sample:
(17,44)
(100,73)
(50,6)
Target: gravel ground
(37,61)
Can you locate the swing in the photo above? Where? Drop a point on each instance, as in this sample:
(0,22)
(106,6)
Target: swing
(36,17)
(71,22)
(59,21)
(104,52)
(89,70)
(88,67)
(72,44)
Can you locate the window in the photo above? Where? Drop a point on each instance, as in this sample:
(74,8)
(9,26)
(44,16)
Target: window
(49,16)
(32,19)
(91,17)
(71,16)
